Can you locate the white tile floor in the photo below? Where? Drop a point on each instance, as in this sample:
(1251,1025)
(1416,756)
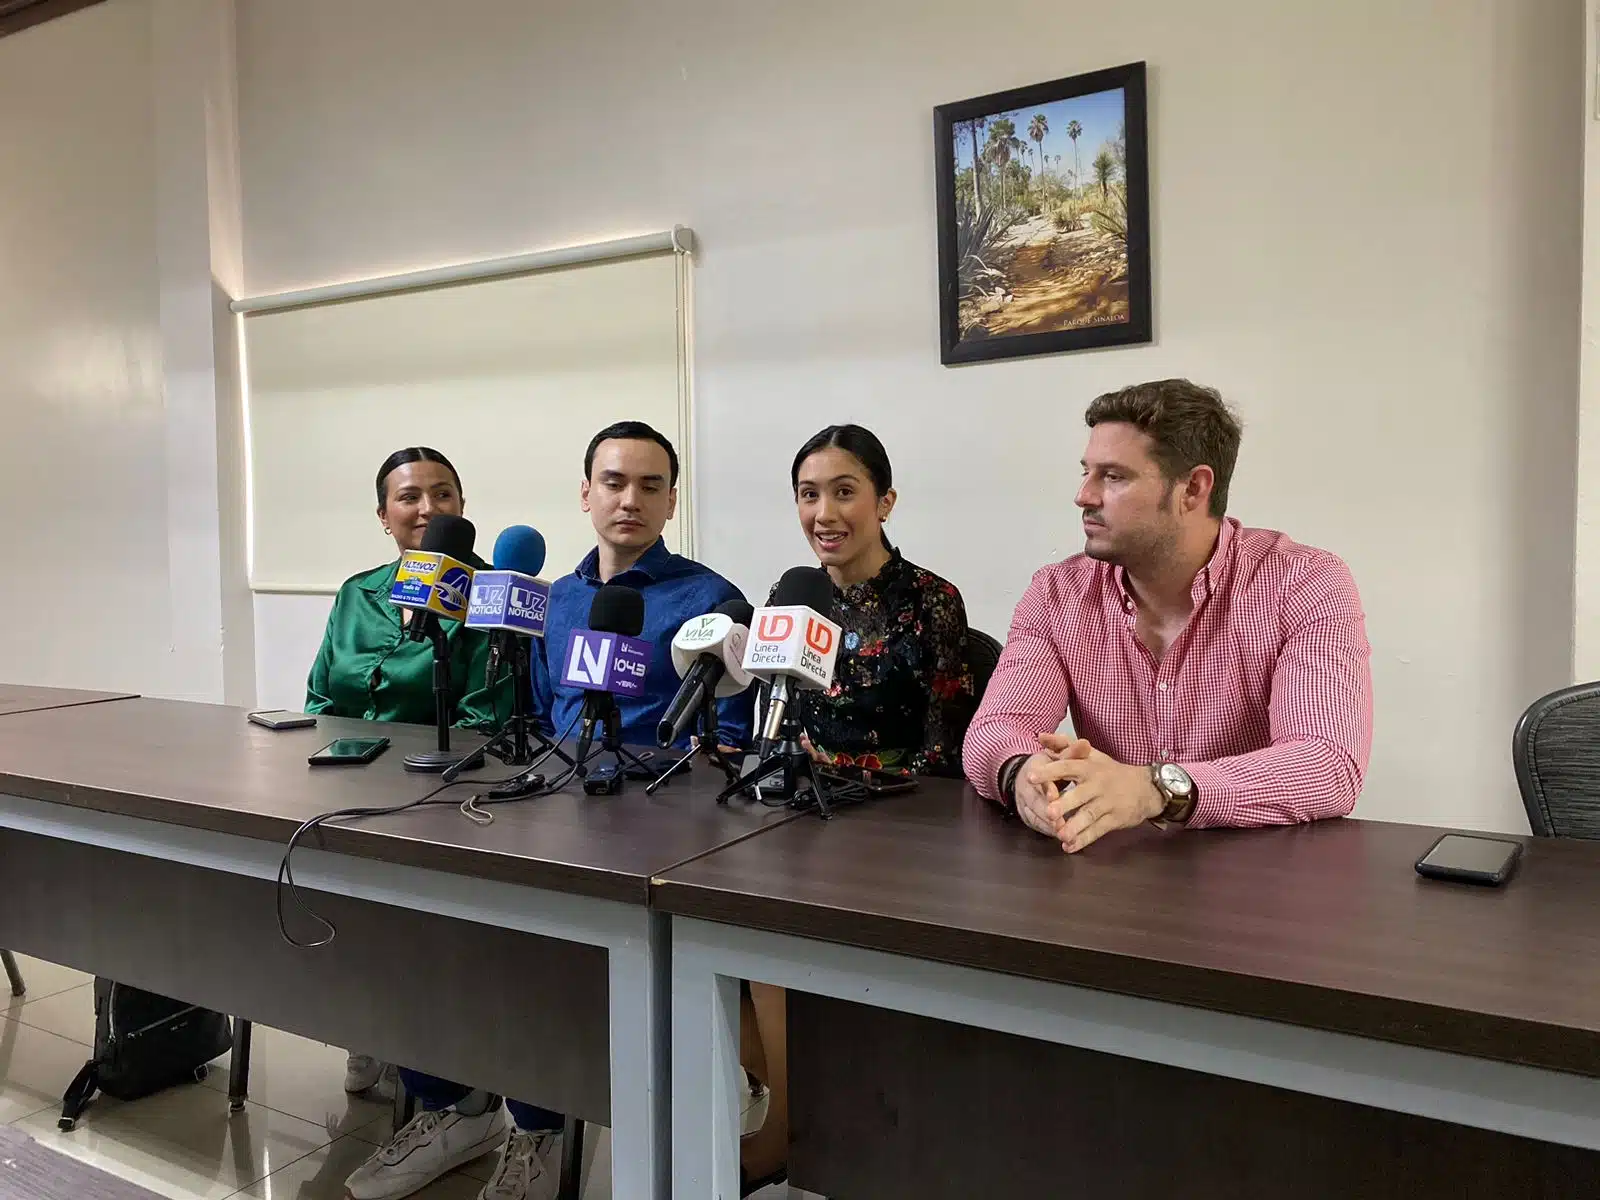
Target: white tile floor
(297,1139)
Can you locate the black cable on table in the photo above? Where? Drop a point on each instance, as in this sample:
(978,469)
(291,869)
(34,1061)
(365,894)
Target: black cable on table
(286,869)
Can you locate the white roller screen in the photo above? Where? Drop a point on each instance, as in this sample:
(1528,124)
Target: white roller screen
(509,378)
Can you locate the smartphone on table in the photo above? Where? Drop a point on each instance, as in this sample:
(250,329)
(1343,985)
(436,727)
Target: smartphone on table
(349,752)
(281,718)
(1467,859)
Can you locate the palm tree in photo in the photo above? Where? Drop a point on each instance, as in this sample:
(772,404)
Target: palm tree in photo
(1037,128)
(1104,168)
(1003,146)
(973,128)
(1075,131)
(999,153)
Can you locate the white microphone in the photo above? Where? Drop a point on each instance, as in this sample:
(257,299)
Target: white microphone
(708,653)
(792,645)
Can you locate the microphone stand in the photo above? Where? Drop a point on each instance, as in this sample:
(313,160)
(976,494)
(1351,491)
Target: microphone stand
(708,740)
(628,764)
(442,758)
(799,780)
(518,742)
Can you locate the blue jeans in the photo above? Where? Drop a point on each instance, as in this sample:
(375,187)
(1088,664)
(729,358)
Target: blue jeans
(433,1093)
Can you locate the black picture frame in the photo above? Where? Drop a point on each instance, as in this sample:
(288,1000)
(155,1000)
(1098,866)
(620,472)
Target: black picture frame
(1096,316)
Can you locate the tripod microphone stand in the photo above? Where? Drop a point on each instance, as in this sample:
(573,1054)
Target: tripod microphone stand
(625,763)
(708,741)
(519,741)
(799,780)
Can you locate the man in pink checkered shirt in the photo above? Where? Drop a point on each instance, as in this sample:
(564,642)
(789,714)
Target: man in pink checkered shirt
(1215,675)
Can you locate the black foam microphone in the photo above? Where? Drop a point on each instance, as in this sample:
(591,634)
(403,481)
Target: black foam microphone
(616,609)
(800,587)
(453,537)
(810,586)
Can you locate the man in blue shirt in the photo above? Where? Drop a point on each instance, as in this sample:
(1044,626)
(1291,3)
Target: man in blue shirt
(630,491)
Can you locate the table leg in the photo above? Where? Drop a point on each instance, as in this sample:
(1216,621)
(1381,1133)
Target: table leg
(239,1068)
(13,974)
(641,1129)
(706,1080)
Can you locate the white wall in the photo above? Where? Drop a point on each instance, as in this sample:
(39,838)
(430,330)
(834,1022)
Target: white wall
(1366,233)
(116,131)
(1586,632)
(80,355)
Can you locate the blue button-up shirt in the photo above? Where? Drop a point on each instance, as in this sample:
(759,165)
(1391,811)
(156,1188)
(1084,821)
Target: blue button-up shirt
(675,590)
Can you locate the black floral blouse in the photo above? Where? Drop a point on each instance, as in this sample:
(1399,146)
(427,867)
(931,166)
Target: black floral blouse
(902,693)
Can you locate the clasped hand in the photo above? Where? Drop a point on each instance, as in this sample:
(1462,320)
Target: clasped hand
(1102,795)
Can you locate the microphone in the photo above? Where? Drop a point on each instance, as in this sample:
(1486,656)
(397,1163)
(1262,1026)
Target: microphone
(792,644)
(708,653)
(510,600)
(434,582)
(437,579)
(608,658)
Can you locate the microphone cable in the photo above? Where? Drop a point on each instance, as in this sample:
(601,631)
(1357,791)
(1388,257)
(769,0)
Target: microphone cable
(475,807)
(286,881)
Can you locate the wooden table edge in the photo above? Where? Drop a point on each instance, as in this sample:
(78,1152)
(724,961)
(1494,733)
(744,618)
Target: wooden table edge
(1390,1019)
(590,882)
(66,704)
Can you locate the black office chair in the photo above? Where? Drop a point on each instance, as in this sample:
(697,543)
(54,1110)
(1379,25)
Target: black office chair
(983,655)
(13,975)
(1556,753)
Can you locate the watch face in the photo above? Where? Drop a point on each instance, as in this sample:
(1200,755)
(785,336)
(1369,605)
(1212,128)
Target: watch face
(1176,780)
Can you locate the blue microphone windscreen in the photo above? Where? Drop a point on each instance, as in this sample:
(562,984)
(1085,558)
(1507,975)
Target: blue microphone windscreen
(519,548)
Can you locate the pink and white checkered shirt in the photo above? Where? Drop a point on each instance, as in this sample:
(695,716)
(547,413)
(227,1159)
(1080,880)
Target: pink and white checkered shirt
(1265,698)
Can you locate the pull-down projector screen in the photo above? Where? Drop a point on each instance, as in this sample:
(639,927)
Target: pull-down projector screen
(509,377)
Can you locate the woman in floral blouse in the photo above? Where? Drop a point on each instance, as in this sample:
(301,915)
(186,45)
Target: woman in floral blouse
(902,694)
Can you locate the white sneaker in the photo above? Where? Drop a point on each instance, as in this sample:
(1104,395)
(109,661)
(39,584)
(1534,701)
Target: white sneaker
(753,1106)
(530,1167)
(427,1146)
(386,1087)
(361,1071)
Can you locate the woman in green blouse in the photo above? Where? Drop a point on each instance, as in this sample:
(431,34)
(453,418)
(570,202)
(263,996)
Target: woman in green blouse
(367,667)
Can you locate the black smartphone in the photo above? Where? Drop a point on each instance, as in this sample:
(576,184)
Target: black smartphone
(281,718)
(1483,860)
(876,783)
(349,752)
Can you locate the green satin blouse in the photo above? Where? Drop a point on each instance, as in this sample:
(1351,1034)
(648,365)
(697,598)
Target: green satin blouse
(369,669)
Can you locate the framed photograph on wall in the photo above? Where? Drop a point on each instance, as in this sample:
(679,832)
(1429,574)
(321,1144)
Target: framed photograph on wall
(1044,218)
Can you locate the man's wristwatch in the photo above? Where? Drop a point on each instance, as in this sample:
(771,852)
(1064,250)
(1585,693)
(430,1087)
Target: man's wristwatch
(1176,789)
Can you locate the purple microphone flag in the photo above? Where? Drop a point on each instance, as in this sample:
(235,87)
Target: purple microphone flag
(606,662)
(508,600)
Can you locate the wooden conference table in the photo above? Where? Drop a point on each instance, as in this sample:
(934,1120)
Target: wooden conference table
(21,698)
(1248,1014)
(140,839)
(1239,1014)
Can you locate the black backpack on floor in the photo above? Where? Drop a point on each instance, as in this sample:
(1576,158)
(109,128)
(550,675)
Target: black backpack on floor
(143,1043)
